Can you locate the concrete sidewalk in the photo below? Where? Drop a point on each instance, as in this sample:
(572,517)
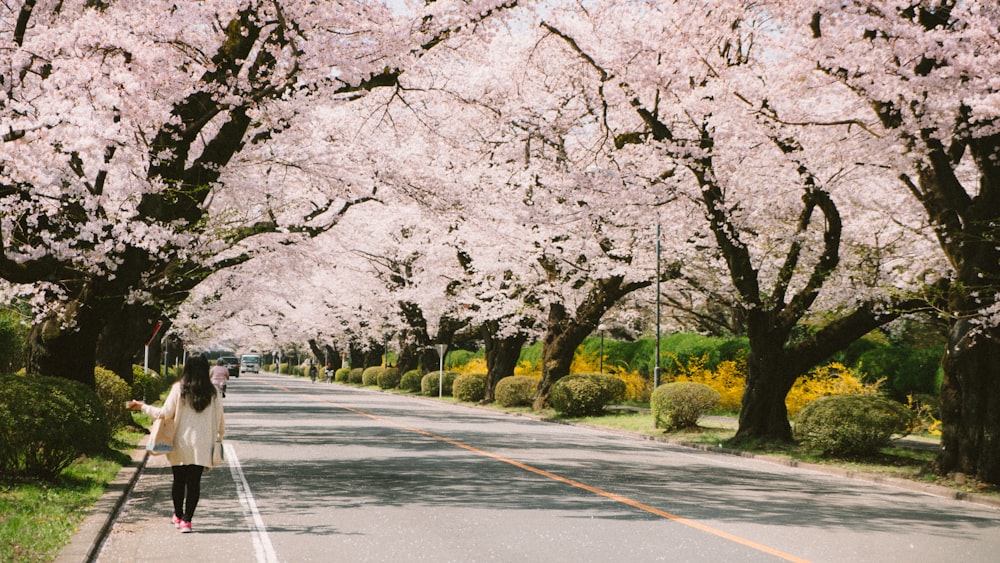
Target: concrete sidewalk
(86,541)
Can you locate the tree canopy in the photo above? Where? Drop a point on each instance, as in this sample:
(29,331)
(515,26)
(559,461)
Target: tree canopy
(273,172)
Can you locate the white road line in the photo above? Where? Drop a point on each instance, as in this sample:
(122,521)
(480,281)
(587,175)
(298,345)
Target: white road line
(263,550)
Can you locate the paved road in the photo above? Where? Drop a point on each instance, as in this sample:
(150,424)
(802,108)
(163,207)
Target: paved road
(321,472)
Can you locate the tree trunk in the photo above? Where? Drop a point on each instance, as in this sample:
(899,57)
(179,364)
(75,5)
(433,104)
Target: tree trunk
(763,414)
(502,355)
(414,354)
(562,337)
(356,356)
(123,338)
(372,356)
(68,352)
(970,404)
(408,358)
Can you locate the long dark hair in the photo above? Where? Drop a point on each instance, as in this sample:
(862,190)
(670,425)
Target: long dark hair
(196,387)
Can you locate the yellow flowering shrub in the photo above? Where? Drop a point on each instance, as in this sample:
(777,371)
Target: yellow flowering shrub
(924,421)
(475,365)
(586,362)
(831,379)
(637,388)
(728,379)
(529,368)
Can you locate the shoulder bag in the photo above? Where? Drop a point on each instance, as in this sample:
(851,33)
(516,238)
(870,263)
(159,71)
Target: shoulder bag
(218,451)
(161,437)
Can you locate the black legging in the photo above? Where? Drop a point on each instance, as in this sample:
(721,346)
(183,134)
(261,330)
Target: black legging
(187,486)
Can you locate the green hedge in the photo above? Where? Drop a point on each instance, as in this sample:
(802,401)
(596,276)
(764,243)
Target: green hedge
(46,423)
(586,394)
(342,375)
(114,392)
(411,381)
(149,385)
(388,378)
(851,425)
(680,404)
(516,391)
(678,349)
(640,355)
(470,387)
(460,357)
(356,376)
(369,377)
(906,370)
(430,383)
(577,396)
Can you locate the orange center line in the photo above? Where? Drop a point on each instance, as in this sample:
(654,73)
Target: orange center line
(555,477)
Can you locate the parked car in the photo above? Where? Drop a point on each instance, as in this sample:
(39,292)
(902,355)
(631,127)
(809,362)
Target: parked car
(232,364)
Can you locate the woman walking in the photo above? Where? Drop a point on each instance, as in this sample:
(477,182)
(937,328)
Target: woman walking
(196,410)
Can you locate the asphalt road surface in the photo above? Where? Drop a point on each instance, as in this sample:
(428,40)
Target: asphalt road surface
(326,472)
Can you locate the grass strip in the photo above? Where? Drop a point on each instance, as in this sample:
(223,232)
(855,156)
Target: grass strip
(38,519)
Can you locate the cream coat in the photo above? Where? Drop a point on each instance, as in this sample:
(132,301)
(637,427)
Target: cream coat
(193,438)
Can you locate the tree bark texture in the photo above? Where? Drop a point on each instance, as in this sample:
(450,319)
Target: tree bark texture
(970,404)
(502,355)
(57,349)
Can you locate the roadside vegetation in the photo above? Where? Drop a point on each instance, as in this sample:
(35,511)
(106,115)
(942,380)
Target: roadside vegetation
(38,517)
(61,443)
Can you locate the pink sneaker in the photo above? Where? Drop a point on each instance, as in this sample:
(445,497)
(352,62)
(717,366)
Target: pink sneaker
(176,521)
(185,527)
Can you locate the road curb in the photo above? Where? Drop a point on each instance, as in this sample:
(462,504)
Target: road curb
(86,542)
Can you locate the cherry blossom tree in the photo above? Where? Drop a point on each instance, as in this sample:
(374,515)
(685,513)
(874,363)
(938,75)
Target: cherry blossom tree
(927,73)
(774,156)
(571,229)
(122,123)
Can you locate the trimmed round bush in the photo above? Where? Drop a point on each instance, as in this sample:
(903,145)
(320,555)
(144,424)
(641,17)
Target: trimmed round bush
(149,385)
(356,376)
(388,378)
(851,425)
(578,396)
(114,392)
(46,423)
(429,383)
(369,377)
(411,381)
(680,404)
(516,391)
(613,388)
(342,375)
(470,387)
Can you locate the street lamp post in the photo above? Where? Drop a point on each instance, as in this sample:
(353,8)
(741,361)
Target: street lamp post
(441,349)
(601,328)
(385,351)
(656,369)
